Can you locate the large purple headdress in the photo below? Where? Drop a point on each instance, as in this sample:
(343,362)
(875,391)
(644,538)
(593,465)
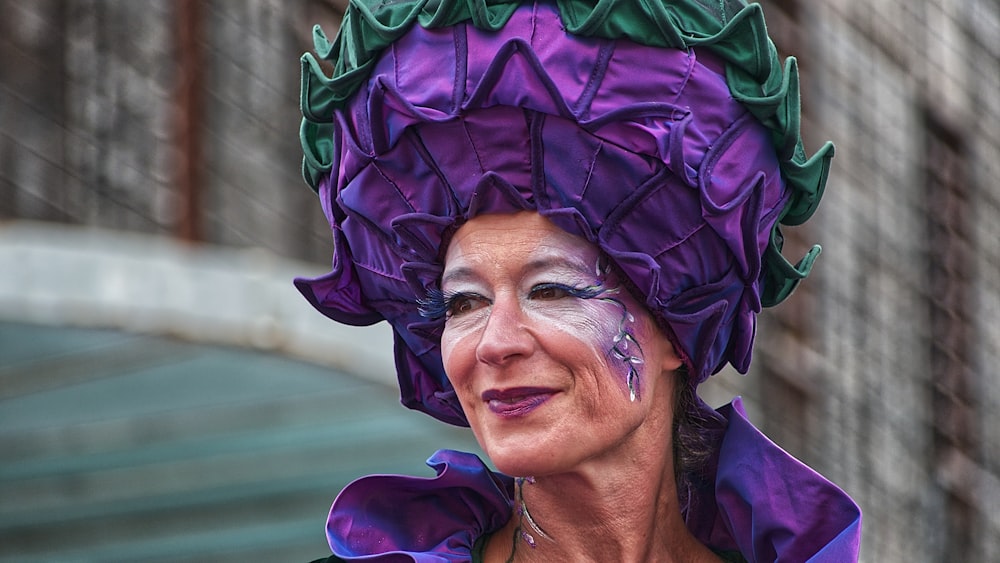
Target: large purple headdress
(666,134)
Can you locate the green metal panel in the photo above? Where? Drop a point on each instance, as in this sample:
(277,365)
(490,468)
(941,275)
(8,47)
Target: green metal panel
(116,446)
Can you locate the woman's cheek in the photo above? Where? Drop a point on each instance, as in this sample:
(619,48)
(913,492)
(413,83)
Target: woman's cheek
(592,322)
(604,326)
(457,349)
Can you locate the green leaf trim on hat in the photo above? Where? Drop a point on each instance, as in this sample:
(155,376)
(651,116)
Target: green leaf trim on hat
(730,29)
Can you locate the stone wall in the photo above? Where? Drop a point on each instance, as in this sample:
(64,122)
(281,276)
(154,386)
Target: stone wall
(883,360)
(91,113)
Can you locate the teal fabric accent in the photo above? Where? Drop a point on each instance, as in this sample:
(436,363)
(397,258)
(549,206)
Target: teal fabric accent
(730,29)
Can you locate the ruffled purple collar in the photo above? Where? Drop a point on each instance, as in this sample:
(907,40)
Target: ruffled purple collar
(766,504)
(397,518)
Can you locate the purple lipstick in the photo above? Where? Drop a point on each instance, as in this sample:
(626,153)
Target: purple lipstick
(517,401)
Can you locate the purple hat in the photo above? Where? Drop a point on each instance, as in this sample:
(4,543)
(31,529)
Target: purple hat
(670,139)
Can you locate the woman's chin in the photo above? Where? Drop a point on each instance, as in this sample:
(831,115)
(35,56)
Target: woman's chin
(519,468)
(523,461)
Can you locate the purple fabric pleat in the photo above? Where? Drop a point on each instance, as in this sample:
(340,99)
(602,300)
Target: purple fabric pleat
(766,504)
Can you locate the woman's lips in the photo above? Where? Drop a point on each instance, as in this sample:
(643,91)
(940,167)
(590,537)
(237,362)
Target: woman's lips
(519,401)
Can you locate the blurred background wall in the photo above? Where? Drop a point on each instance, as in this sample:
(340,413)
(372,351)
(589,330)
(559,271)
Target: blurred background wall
(149,181)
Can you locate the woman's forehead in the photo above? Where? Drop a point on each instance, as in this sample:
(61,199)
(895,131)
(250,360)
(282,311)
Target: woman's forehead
(526,239)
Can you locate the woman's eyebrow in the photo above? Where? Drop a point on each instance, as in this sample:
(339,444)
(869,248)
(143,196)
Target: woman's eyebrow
(557,263)
(459,274)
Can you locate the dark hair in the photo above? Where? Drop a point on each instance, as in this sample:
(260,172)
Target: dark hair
(697,430)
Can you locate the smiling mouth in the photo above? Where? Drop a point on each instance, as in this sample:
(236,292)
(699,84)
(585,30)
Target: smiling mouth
(519,401)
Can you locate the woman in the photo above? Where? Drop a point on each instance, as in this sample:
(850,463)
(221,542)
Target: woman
(569,215)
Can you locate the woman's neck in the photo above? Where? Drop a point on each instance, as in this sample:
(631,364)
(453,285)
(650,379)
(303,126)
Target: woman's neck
(601,514)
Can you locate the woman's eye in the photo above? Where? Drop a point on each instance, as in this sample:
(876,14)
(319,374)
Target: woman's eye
(548,292)
(464,303)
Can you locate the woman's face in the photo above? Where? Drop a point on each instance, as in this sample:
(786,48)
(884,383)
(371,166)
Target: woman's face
(554,363)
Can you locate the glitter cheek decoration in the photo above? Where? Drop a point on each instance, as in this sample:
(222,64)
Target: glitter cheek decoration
(624,347)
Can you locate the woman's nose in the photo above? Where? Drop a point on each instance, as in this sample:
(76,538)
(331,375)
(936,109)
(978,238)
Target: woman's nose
(506,336)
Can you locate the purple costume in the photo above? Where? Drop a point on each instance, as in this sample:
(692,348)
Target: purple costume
(669,139)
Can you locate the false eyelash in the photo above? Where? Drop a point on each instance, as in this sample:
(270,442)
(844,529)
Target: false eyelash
(438,304)
(435,304)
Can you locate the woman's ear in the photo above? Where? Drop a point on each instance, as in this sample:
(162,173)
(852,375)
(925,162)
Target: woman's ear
(670,360)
